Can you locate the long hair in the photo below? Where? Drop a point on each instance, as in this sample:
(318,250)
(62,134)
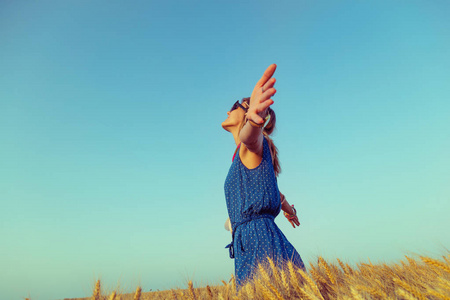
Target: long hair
(270,127)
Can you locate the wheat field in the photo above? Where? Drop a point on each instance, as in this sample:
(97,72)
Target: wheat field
(420,278)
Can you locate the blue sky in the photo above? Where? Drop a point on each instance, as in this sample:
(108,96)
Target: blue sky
(113,159)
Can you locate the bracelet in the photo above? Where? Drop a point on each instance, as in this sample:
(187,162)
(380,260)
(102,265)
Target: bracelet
(262,125)
(255,124)
(288,216)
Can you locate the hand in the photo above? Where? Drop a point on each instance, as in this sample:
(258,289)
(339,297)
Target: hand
(259,100)
(293,219)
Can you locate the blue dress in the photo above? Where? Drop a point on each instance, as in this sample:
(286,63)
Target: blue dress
(253,201)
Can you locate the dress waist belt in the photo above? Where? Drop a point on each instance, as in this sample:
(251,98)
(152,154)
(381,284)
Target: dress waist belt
(230,245)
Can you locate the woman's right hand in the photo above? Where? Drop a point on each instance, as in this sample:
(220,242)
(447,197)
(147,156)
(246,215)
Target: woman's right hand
(260,98)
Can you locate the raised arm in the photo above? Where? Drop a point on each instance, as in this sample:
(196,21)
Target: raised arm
(251,134)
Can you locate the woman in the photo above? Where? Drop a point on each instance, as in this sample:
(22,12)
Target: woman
(251,190)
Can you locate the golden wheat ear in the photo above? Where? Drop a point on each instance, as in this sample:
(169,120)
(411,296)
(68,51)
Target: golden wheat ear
(210,294)
(97,293)
(112,296)
(274,269)
(435,263)
(327,270)
(137,294)
(191,290)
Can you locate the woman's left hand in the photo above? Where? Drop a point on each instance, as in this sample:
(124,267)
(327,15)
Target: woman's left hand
(260,98)
(293,219)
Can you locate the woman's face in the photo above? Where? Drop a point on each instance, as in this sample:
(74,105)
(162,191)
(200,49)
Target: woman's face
(235,118)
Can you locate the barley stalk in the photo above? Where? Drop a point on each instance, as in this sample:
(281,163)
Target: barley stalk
(96,294)
(362,268)
(274,269)
(411,261)
(227,291)
(377,293)
(316,276)
(250,290)
(342,265)
(265,291)
(137,294)
(208,290)
(350,270)
(112,296)
(242,293)
(191,290)
(233,284)
(292,272)
(285,282)
(327,270)
(409,288)
(436,263)
(311,283)
(263,273)
(436,294)
(404,264)
(355,294)
(174,295)
(444,283)
(275,291)
(446,258)
(302,293)
(405,294)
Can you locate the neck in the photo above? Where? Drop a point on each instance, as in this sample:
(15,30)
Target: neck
(235,134)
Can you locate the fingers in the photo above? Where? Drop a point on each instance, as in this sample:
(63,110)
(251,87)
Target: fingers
(294,221)
(259,100)
(260,108)
(269,84)
(268,93)
(264,101)
(263,106)
(268,73)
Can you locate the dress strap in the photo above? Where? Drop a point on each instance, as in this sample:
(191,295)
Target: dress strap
(236,225)
(235,151)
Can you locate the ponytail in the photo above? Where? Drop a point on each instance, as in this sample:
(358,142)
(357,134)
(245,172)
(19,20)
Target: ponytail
(273,149)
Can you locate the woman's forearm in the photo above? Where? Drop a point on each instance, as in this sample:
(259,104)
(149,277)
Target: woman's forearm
(285,206)
(252,137)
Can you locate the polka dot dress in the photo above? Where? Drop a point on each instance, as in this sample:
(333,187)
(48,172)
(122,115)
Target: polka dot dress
(253,201)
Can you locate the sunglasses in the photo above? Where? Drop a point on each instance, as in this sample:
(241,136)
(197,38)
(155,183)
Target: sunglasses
(236,105)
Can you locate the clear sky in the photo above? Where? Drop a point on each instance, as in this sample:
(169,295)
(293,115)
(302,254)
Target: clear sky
(113,160)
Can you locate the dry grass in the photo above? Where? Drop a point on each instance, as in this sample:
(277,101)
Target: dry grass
(422,278)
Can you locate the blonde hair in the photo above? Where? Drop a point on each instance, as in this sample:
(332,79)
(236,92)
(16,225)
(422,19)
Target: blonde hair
(266,132)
